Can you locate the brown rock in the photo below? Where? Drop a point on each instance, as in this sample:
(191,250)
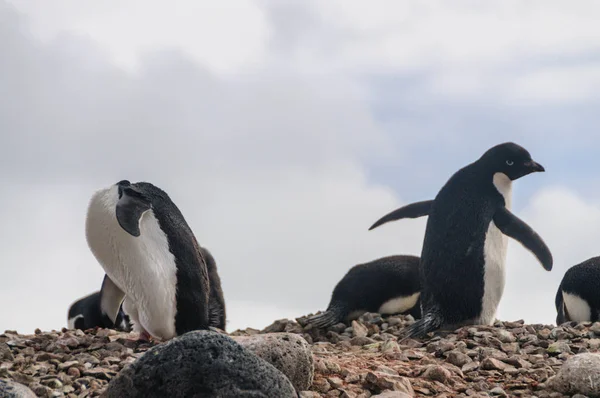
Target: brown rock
(437,373)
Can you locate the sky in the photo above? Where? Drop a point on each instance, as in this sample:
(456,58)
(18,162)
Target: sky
(283,130)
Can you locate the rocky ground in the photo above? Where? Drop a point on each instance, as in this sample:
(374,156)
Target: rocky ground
(361,360)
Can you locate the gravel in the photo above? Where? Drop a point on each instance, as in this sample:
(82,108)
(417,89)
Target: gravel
(360,360)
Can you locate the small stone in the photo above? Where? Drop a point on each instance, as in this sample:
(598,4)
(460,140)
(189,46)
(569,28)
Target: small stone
(67,364)
(595,328)
(359,330)
(74,372)
(389,347)
(470,367)
(493,364)
(437,373)
(335,382)
(321,385)
(6,353)
(386,370)
(54,383)
(505,336)
(457,358)
(498,392)
(309,394)
(392,394)
(361,341)
(559,347)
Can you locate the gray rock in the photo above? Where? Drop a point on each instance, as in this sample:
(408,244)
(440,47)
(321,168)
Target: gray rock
(200,364)
(580,374)
(288,352)
(392,394)
(12,389)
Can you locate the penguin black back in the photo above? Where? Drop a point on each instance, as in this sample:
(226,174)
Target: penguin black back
(217,314)
(578,295)
(389,285)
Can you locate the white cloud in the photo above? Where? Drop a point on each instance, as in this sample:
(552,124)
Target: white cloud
(225,35)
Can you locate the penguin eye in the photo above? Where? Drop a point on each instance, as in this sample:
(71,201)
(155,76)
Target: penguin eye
(510,162)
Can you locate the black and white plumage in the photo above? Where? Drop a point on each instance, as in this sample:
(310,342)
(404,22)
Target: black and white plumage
(578,295)
(152,260)
(388,285)
(464,249)
(85,313)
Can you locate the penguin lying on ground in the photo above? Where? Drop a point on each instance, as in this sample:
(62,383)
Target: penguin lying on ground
(85,314)
(153,261)
(578,296)
(464,250)
(388,285)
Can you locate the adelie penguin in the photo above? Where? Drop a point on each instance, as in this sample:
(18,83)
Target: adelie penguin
(85,314)
(153,262)
(388,285)
(578,296)
(464,249)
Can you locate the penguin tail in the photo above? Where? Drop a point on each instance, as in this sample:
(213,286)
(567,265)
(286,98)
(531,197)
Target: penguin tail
(328,318)
(429,323)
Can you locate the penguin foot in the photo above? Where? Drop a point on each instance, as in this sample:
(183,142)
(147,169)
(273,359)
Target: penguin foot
(145,336)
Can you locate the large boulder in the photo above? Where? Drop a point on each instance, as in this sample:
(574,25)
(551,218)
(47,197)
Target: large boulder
(580,374)
(200,364)
(288,352)
(12,389)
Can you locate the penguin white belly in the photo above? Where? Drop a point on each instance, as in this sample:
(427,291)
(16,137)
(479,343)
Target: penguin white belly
(494,273)
(578,309)
(494,256)
(399,304)
(142,267)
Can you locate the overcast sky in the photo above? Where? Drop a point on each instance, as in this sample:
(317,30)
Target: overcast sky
(283,130)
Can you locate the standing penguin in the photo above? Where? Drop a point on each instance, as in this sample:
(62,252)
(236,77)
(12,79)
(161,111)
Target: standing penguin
(578,296)
(152,261)
(388,285)
(464,250)
(85,314)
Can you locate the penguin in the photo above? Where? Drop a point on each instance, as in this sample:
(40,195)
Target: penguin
(153,263)
(216,311)
(578,295)
(464,248)
(85,313)
(388,285)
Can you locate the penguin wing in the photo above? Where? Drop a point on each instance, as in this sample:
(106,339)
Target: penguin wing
(413,210)
(130,208)
(513,226)
(111,297)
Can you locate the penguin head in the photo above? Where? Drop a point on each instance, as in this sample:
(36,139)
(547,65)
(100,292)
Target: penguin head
(510,159)
(133,201)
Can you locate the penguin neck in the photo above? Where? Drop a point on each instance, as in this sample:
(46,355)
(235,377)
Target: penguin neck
(504,186)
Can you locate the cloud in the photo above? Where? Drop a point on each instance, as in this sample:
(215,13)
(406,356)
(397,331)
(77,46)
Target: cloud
(283,132)
(268,170)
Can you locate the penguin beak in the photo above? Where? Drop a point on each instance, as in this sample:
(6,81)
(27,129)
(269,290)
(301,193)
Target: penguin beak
(534,167)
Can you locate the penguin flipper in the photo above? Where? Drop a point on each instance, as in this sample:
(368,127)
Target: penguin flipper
(130,208)
(413,210)
(111,298)
(513,226)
